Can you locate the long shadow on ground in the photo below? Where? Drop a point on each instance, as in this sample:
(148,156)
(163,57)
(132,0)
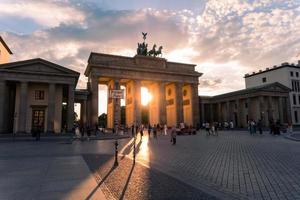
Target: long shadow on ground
(129,181)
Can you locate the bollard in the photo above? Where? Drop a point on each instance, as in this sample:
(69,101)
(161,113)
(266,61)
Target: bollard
(116,153)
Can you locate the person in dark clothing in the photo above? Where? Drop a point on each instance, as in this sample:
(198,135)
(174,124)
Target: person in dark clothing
(132,130)
(149,130)
(259,126)
(155,131)
(277,128)
(142,130)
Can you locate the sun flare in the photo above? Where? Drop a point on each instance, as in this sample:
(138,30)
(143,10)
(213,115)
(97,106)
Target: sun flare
(146,96)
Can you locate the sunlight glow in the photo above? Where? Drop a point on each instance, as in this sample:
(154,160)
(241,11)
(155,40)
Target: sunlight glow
(146,96)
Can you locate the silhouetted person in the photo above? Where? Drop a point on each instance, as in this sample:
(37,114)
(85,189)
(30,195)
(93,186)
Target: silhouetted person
(173,135)
(259,126)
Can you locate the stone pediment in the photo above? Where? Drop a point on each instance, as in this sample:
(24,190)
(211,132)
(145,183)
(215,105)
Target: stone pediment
(276,87)
(38,66)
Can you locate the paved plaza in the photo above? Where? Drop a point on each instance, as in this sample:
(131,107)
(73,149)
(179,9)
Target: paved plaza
(233,165)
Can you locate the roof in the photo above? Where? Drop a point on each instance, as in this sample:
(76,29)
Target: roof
(283,65)
(254,89)
(102,59)
(18,64)
(5,45)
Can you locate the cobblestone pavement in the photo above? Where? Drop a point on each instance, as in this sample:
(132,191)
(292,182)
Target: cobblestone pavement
(136,182)
(251,167)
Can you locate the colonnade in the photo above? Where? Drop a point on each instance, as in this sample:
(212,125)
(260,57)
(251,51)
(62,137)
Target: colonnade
(240,110)
(172,103)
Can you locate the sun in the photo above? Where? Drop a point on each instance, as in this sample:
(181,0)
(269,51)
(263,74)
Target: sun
(146,96)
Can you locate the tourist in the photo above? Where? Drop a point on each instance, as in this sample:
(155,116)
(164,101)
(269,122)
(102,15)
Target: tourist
(212,128)
(207,128)
(155,127)
(136,129)
(88,132)
(173,135)
(142,130)
(165,129)
(149,130)
(254,126)
(231,125)
(290,128)
(277,128)
(216,128)
(259,126)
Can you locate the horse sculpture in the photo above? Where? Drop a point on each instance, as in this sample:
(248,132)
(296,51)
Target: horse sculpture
(158,52)
(152,51)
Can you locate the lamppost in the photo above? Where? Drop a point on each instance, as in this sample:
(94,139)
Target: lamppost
(134,147)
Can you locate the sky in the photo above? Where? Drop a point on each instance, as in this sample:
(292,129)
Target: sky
(225,39)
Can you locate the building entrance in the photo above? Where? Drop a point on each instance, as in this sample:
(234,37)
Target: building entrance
(38,119)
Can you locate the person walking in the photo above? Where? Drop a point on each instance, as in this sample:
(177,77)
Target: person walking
(207,128)
(155,131)
(173,135)
(149,130)
(165,129)
(132,130)
(259,127)
(290,128)
(142,130)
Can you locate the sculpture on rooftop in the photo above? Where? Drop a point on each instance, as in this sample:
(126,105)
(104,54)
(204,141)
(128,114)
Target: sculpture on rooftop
(143,48)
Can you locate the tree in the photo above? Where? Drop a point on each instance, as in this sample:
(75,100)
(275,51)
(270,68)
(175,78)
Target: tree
(102,120)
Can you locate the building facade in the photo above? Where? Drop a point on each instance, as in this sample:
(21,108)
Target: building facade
(174,87)
(286,74)
(269,102)
(35,93)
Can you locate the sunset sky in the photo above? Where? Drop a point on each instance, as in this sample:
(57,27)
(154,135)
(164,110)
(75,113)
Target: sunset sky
(226,39)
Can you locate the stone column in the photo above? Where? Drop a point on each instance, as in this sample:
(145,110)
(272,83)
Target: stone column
(137,102)
(262,112)
(71,92)
(270,109)
(195,105)
(23,107)
(94,101)
(162,104)
(179,103)
(202,113)
(2,105)
(219,112)
(116,105)
(288,109)
(227,112)
(211,113)
(238,114)
(51,108)
(280,109)
(250,111)
(83,112)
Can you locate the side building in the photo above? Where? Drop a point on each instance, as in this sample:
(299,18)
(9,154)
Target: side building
(286,74)
(35,93)
(269,102)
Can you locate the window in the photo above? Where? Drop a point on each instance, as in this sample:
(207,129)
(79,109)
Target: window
(39,95)
(296,116)
(299,98)
(297,74)
(294,99)
(292,74)
(246,105)
(264,79)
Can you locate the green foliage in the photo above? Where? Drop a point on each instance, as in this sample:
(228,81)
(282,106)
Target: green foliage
(102,120)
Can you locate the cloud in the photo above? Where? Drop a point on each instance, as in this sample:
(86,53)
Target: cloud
(106,31)
(226,39)
(46,13)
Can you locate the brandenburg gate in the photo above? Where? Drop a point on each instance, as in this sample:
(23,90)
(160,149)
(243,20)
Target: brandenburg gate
(173,86)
